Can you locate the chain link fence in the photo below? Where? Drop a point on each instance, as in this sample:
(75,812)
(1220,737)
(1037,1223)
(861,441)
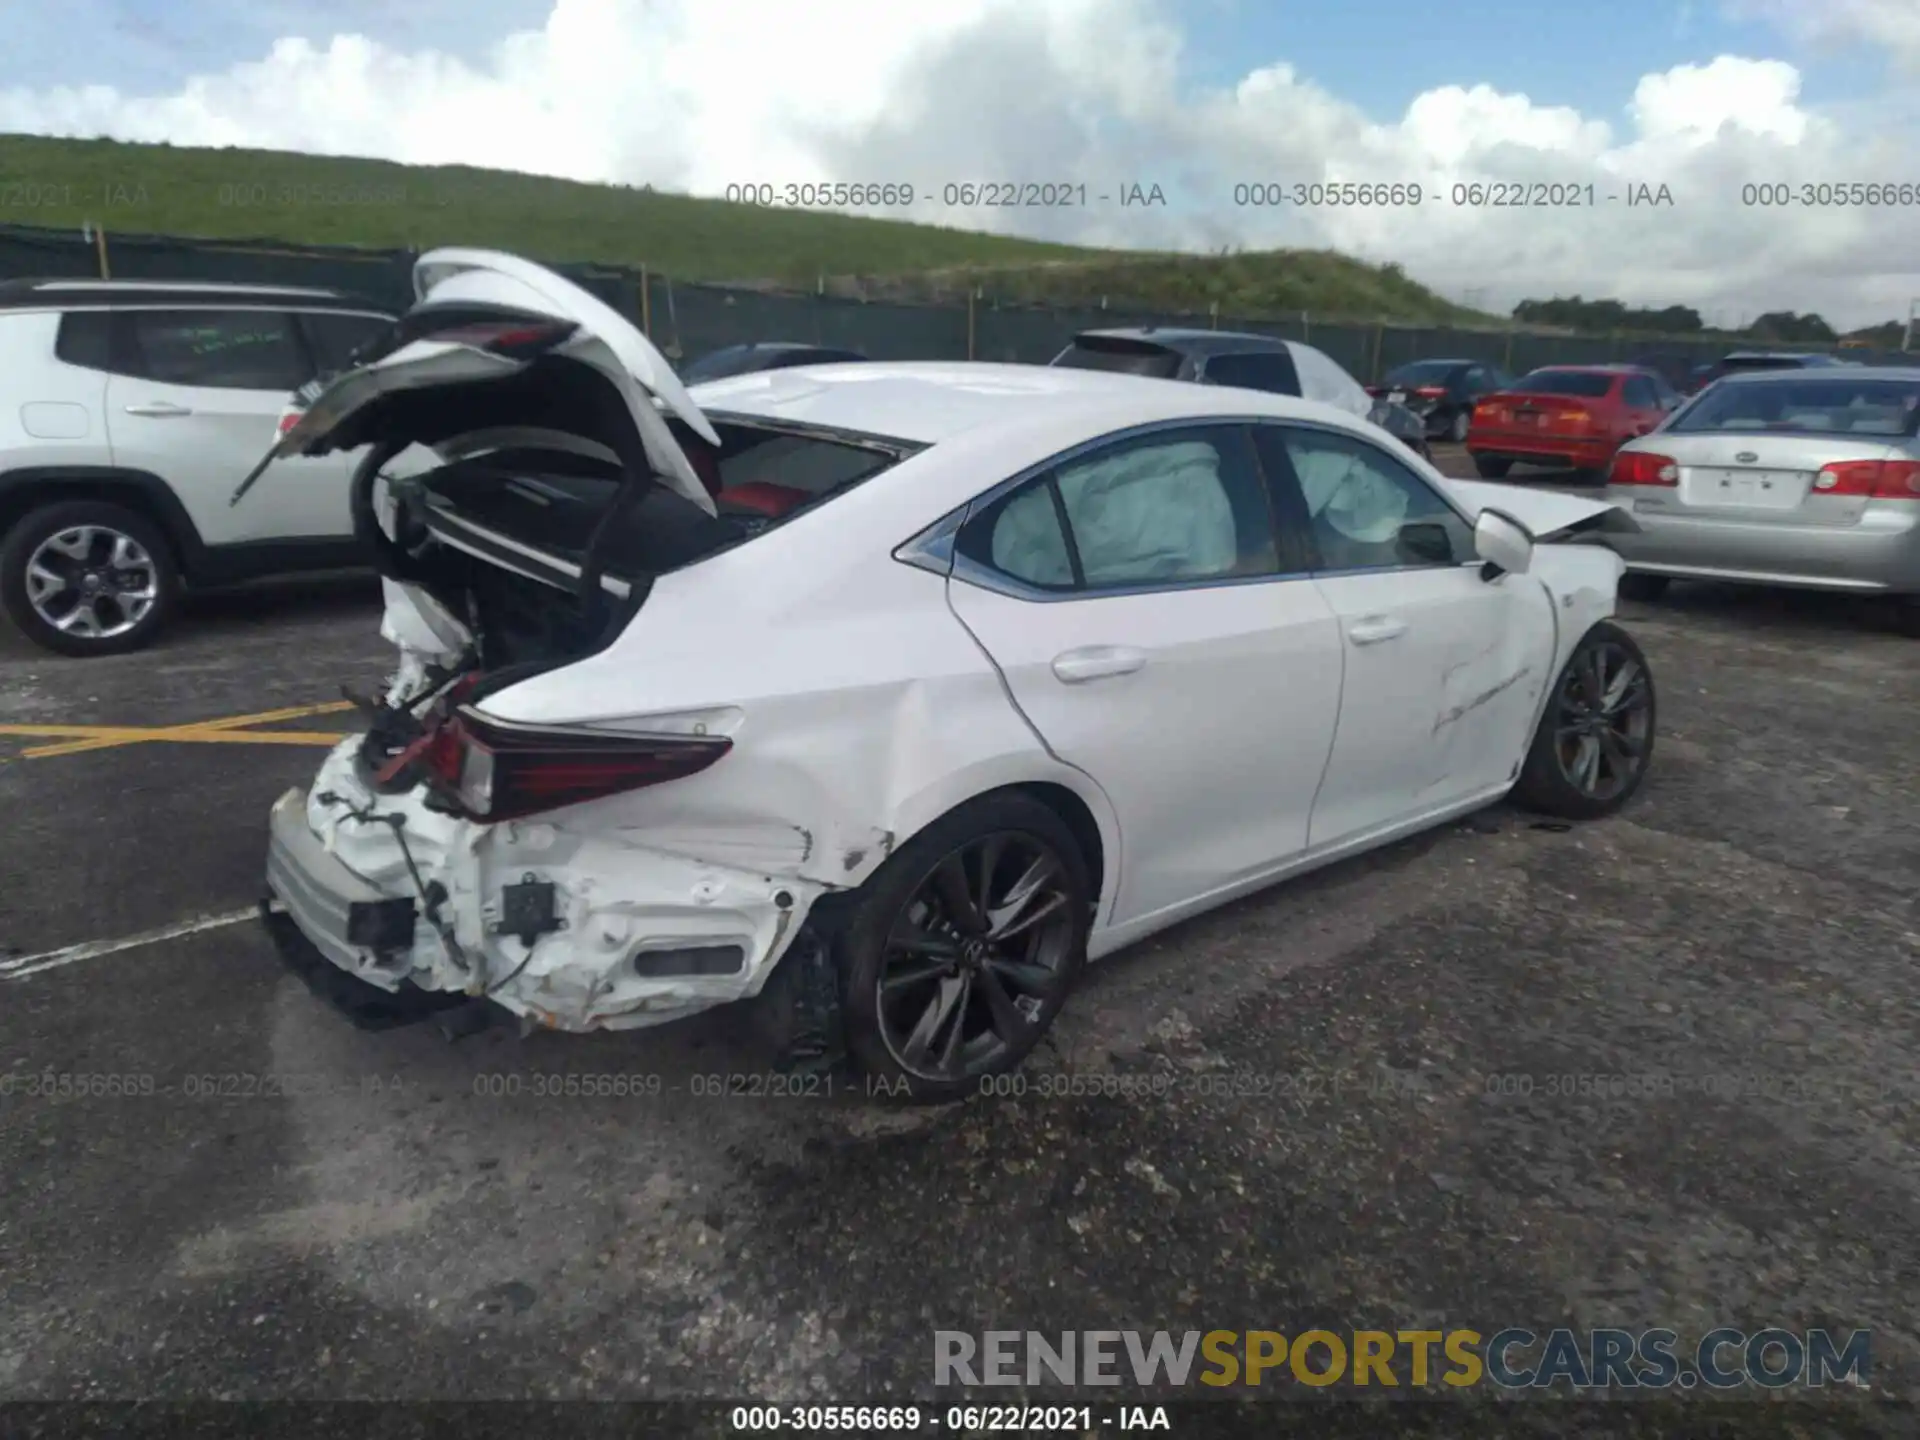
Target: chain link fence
(687,320)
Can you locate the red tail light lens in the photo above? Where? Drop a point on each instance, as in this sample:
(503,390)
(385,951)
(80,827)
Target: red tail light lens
(1639,467)
(1874,479)
(515,340)
(502,772)
(1431,392)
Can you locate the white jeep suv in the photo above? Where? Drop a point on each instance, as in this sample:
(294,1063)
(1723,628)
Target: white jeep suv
(129,410)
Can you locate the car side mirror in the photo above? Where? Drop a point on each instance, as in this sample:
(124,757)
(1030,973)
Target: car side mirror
(1425,543)
(1503,543)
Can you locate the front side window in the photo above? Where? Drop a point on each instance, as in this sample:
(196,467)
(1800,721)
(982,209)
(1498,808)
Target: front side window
(1366,510)
(1169,508)
(1639,393)
(225,349)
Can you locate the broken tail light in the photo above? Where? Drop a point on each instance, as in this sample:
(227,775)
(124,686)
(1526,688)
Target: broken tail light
(1873,479)
(1640,467)
(496,771)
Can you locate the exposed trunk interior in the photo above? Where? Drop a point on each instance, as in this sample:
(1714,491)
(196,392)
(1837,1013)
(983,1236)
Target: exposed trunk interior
(546,544)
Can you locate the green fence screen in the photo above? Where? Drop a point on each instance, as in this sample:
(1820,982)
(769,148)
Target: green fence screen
(687,320)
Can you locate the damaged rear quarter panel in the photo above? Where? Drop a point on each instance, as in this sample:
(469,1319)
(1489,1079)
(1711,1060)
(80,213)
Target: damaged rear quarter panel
(867,712)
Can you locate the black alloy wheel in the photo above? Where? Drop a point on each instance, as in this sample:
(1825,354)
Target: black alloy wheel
(964,946)
(1595,739)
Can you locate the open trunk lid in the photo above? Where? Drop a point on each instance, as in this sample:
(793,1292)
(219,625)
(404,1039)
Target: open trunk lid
(481,322)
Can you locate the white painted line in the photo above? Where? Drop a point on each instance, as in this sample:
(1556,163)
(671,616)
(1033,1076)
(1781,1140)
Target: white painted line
(18,967)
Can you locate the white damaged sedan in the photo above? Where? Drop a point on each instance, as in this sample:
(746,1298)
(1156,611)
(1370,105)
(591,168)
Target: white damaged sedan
(922,683)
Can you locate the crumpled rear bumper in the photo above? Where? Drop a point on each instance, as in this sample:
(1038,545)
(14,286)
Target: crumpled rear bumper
(641,936)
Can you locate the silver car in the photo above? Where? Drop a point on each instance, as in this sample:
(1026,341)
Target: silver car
(1802,478)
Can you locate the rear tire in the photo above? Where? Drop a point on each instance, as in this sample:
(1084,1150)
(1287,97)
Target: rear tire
(1457,430)
(1595,738)
(1906,615)
(1491,467)
(912,950)
(131,581)
(1638,585)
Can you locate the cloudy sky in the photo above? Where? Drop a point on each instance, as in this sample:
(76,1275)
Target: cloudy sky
(1704,97)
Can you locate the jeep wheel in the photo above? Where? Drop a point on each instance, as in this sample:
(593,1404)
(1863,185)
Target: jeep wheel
(87,578)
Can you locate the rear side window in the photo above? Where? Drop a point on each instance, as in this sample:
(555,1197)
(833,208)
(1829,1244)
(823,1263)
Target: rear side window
(1591,384)
(1127,357)
(1272,372)
(1173,507)
(219,349)
(86,339)
(336,339)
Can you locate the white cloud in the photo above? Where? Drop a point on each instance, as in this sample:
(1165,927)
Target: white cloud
(697,94)
(1890,26)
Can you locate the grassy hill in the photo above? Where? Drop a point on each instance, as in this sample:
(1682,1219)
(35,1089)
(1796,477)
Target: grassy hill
(327,200)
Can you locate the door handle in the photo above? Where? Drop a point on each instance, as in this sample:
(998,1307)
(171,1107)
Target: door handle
(1096,662)
(159,410)
(1375,628)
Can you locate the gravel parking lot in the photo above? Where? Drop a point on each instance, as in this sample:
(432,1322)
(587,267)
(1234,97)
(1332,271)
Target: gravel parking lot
(1405,1137)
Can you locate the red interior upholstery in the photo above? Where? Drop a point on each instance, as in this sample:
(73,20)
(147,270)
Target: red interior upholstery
(763,498)
(706,465)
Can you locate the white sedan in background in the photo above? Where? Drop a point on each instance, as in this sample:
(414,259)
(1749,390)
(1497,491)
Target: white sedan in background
(916,684)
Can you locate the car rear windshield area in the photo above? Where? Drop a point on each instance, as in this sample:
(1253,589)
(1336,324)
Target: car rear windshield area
(1829,405)
(760,477)
(1124,356)
(1734,363)
(1423,372)
(1592,384)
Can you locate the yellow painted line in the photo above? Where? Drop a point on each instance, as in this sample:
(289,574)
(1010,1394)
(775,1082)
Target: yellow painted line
(233,729)
(188,737)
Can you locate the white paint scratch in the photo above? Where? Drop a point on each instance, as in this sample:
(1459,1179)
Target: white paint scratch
(19,967)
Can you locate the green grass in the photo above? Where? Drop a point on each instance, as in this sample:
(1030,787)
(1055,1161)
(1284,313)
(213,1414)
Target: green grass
(325,200)
(1250,283)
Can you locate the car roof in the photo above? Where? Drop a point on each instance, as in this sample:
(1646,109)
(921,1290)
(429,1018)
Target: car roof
(1775,355)
(1605,367)
(927,401)
(57,294)
(1443,360)
(1186,340)
(771,347)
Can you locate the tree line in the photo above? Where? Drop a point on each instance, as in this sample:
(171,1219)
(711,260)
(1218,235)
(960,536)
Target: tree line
(1781,326)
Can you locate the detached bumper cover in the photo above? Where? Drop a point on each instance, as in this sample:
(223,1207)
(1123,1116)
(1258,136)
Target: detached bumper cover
(319,893)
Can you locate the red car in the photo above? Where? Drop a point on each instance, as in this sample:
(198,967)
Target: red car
(1568,417)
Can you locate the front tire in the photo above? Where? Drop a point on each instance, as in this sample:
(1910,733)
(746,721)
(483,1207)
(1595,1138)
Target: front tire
(1595,738)
(88,577)
(963,947)
(1491,467)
